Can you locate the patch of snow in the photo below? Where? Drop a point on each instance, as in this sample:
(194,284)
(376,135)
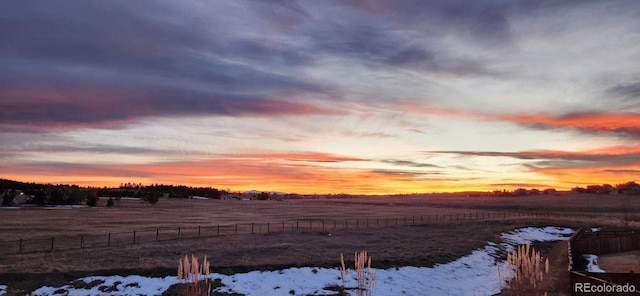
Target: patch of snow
(592,263)
(531,234)
(199,197)
(3,289)
(595,229)
(64,207)
(474,274)
(115,285)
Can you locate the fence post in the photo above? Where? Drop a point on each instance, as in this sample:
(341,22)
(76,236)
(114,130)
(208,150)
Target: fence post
(179,233)
(310,228)
(134,237)
(268,227)
(109,240)
(52,243)
(157,233)
(251,228)
(198,230)
(218,229)
(282,226)
(357,223)
(297,226)
(20,247)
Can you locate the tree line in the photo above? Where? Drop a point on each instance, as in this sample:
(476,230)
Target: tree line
(629,188)
(61,194)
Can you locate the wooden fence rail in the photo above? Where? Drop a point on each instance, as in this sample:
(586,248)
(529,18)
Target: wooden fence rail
(139,236)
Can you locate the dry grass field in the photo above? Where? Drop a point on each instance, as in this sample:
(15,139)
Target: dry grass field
(129,215)
(416,245)
(620,262)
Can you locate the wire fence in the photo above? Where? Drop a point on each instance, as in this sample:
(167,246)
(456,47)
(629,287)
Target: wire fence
(140,236)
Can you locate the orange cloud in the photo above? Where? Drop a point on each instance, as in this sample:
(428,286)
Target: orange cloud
(567,169)
(624,123)
(591,122)
(572,177)
(310,172)
(304,173)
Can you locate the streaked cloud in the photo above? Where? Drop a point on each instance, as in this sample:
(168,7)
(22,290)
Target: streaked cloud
(626,124)
(321,97)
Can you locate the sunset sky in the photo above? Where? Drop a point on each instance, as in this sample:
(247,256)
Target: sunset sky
(321,96)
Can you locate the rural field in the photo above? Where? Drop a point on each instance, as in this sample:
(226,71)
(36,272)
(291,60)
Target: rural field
(418,231)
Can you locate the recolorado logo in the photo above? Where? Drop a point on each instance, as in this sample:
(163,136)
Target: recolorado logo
(603,288)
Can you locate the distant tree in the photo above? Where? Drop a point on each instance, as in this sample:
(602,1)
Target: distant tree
(151,197)
(631,188)
(75,196)
(578,190)
(8,198)
(57,196)
(39,197)
(264,196)
(92,198)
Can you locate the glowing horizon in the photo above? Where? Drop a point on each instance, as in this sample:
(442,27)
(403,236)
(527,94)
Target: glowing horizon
(301,97)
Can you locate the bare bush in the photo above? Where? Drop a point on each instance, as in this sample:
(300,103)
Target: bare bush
(526,270)
(189,272)
(365,277)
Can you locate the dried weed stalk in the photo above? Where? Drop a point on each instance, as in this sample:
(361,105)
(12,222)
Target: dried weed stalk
(365,277)
(526,270)
(189,273)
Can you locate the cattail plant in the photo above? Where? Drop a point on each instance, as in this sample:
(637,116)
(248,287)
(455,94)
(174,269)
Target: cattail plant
(525,271)
(189,272)
(365,277)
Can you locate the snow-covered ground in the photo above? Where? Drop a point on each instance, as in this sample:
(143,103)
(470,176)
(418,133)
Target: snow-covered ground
(592,263)
(474,274)
(3,289)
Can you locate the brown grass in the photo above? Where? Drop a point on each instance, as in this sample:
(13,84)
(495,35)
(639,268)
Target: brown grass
(620,262)
(366,277)
(130,214)
(526,271)
(424,245)
(189,272)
